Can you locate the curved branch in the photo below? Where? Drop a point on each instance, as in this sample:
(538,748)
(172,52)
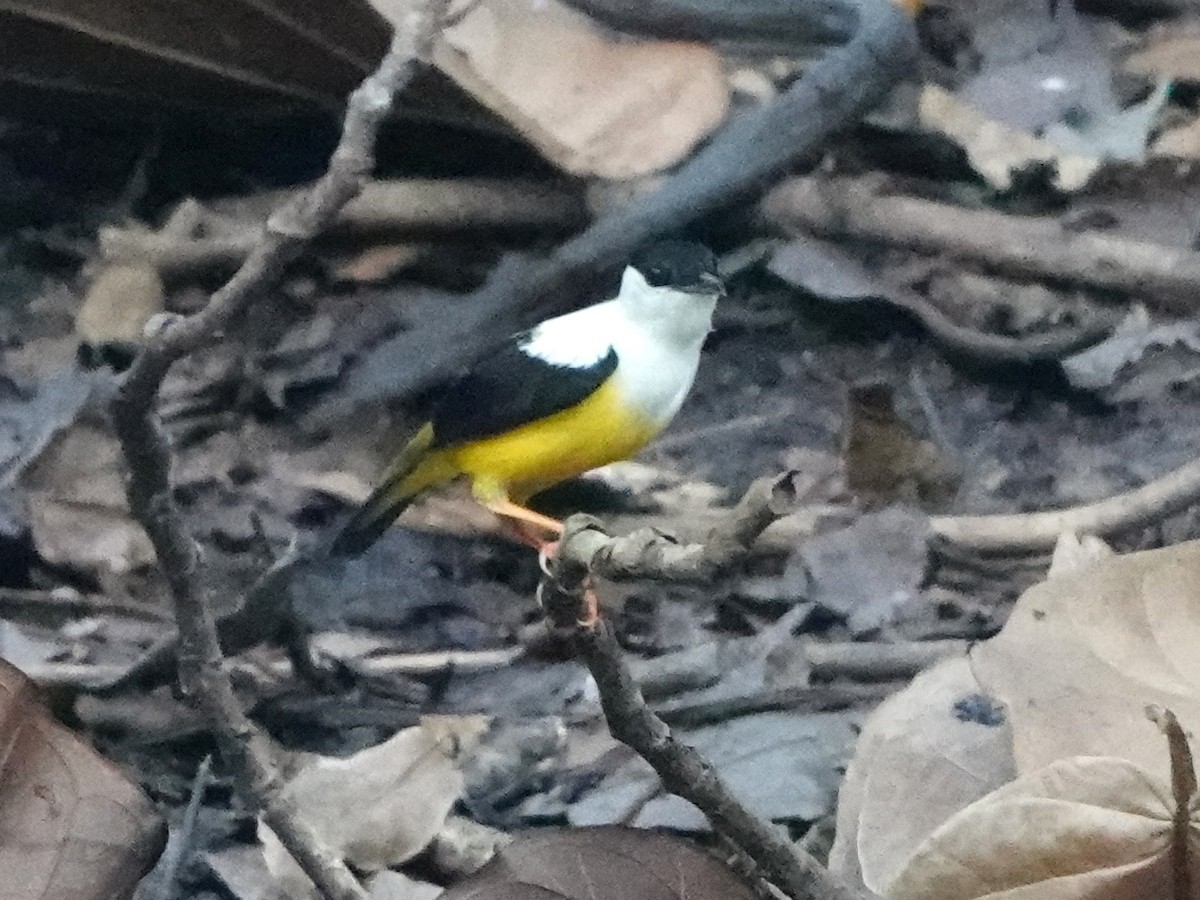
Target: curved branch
(1028,532)
(148,456)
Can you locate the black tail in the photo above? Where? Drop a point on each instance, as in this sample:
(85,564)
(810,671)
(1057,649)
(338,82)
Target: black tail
(366,526)
(415,469)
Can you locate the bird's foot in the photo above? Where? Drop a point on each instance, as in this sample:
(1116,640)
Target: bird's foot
(591,606)
(546,551)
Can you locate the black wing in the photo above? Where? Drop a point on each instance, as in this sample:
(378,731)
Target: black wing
(510,388)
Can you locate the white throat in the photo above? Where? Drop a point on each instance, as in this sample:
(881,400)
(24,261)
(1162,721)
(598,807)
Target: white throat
(657,333)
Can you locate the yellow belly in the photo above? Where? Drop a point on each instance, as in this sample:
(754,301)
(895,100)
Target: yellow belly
(533,457)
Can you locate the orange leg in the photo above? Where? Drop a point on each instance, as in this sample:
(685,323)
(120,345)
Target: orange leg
(532,528)
(522,517)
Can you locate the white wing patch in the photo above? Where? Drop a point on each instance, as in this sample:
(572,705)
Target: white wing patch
(579,339)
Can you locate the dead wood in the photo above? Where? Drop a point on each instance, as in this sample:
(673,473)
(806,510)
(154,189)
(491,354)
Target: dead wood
(1039,531)
(800,698)
(148,457)
(1018,246)
(780,22)
(876,660)
(221,239)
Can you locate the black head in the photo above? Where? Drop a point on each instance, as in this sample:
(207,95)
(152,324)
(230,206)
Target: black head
(683,265)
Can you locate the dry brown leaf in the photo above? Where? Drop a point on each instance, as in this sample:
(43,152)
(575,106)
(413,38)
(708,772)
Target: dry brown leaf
(77,506)
(1082,828)
(1181,142)
(924,754)
(997,150)
(1083,654)
(604,863)
(380,806)
(1173,54)
(866,572)
(592,103)
(71,824)
(119,302)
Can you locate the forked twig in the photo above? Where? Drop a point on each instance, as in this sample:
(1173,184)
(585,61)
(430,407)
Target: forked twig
(586,550)
(148,456)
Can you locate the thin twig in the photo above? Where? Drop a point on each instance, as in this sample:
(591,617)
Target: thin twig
(177,853)
(147,454)
(585,550)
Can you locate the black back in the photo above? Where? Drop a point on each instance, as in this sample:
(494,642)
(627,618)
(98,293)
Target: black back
(510,388)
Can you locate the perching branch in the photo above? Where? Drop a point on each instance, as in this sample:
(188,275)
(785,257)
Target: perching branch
(148,456)
(411,206)
(648,553)
(585,550)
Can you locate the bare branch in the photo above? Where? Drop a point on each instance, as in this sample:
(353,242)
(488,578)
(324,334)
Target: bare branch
(647,553)
(585,550)
(1039,531)
(147,454)
(1020,246)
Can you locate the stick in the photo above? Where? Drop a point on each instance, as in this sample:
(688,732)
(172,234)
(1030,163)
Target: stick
(776,21)
(410,205)
(805,698)
(175,855)
(1020,246)
(148,459)
(877,661)
(1031,532)
(583,549)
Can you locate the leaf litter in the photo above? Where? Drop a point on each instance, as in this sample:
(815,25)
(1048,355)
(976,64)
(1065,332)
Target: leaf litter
(268,444)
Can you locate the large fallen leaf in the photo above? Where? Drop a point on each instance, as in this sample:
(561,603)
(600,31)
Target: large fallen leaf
(925,754)
(594,104)
(1082,828)
(80,517)
(1082,654)
(382,805)
(71,824)
(608,863)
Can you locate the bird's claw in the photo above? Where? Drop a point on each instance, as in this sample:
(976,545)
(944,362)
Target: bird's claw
(546,553)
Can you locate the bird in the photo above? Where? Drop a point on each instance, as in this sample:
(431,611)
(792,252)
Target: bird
(574,393)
